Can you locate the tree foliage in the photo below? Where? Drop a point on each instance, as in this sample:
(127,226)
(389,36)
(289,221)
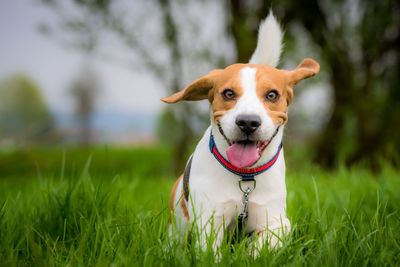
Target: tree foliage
(24,115)
(357,43)
(158,50)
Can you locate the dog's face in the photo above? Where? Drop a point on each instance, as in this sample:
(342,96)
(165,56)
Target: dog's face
(249,104)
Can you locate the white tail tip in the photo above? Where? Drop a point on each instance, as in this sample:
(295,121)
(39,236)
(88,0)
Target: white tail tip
(269,44)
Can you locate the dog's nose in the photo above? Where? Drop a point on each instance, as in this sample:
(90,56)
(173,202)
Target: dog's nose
(248,123)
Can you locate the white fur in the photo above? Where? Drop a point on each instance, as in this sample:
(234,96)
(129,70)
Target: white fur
(269,44)
(248,104)
(216,197)
(214,192)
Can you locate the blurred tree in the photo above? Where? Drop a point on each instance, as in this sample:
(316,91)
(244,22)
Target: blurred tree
(89,21)
(357,43)
(84,91)
(24,115)
(243,19)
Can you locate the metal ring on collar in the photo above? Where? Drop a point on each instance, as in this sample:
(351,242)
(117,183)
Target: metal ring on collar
(245,191)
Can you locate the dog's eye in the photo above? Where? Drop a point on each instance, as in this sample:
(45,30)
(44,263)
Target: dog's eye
(228,94)
(272,96)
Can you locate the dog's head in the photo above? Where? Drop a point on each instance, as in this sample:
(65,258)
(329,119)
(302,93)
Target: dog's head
(249,104)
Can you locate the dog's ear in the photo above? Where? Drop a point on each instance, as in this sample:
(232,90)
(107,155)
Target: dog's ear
(306,69)
(197,90)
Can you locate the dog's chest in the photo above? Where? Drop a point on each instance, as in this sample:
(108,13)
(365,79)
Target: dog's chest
(217,190)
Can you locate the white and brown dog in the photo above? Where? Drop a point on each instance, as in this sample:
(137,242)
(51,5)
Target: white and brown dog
(249,104)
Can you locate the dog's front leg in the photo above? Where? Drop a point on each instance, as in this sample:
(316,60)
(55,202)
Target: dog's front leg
(212,232)
(270,226)
(272,234)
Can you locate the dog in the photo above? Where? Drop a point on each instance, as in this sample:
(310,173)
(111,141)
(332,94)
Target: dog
(237,171)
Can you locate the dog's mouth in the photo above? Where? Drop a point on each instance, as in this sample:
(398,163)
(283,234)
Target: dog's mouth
(245,153)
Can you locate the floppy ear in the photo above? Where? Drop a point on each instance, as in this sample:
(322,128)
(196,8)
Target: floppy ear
(197,90)
(307,68)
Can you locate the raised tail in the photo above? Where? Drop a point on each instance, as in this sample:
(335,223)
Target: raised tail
(269,44)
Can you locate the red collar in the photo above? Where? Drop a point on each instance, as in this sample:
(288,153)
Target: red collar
(247,174)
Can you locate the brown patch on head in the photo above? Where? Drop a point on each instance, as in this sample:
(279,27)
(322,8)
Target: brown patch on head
(213,85)
(282,81)
(229,78)
(271,79)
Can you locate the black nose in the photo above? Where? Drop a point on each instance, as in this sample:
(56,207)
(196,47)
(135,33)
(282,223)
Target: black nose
(248,123)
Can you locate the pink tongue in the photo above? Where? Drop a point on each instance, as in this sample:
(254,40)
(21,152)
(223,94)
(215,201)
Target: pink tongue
(242,155)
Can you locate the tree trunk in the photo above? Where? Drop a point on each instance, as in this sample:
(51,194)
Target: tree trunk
(244,33)
(185,134)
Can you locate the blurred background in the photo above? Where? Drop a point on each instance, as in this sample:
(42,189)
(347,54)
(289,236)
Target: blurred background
(77,75)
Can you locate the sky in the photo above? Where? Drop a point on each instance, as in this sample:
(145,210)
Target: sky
(127,97)
(24,49)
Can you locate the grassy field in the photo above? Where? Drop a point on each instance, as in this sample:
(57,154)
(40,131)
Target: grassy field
(109,207)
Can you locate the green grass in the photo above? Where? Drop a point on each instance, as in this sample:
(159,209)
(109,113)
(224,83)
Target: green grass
(109,207)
